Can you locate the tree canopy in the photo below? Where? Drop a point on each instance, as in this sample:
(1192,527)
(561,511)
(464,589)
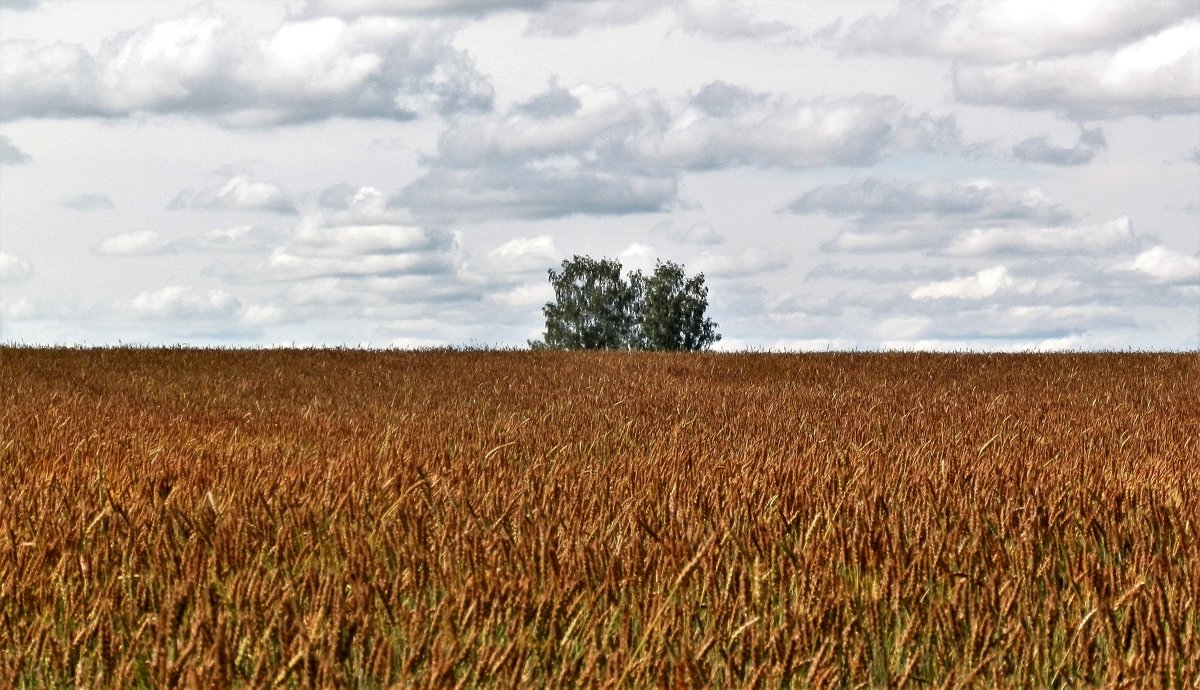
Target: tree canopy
(596,307)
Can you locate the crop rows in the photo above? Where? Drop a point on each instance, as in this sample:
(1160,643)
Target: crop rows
(308,518)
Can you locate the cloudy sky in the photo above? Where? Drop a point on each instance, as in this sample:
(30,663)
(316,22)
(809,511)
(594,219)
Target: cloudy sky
(985,174)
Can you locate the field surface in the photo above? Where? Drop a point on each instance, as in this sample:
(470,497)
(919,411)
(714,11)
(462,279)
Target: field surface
(305,518)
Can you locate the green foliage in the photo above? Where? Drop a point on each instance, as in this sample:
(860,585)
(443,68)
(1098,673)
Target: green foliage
(597,308)
(593,307)
(672,310)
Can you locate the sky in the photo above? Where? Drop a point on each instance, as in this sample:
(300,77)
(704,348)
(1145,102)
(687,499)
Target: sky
(991,175)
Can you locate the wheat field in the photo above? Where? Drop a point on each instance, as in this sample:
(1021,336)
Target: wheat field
(317,518)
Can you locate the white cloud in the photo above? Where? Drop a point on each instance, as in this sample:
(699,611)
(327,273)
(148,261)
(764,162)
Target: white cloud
(749,262)
(711,19)
(597,150)
(14,269)
(559,121)
(1107,238)
(130,243)
(973,200)
(184,302)
(524,254)
(10,154)
(261,315)
(1041,150)
(241,238)
(985,283)
(349,241)
(318,250)
(1086,60)
(723,20)
(440,230)
(349,205)
(20,308)
(496,191)
(721,126)
(1164,265)
(201,64)
(238,193)
(1158,75)
(1010,30)
(777,132)
(355,8)
(903,327)
(638,257)
(526,296)
(874,241)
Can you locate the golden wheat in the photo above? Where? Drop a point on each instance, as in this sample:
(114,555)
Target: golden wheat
(305,518)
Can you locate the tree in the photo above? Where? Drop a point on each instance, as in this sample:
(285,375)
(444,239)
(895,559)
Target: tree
(596,308)
(593,307)
(671,314)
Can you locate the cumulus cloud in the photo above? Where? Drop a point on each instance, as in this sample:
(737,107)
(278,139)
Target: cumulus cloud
(1085,60)
(20,308)
(190,303)
(1106,238)
(131,243)
(346,261)
(583,120)
(525,296)
(1164,265)
(14,269)
(749,262)
(201,64)
(355,8)
(262,315)
(998,264)
(318,250)
(240,238)
(992,324)
(1041,150)
(88,202)
(638,256)
(872,201)
(338,197)
(720,126)
(1010,30)
(985,283)
(347,205)
(711,19)
(10,154)
(183,302)
(531,193)
(238,193)
(597,150)
(1155,76)
(524,255)
(722,20)
(786,133)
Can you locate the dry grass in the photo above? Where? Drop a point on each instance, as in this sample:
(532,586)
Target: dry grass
(316,519)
